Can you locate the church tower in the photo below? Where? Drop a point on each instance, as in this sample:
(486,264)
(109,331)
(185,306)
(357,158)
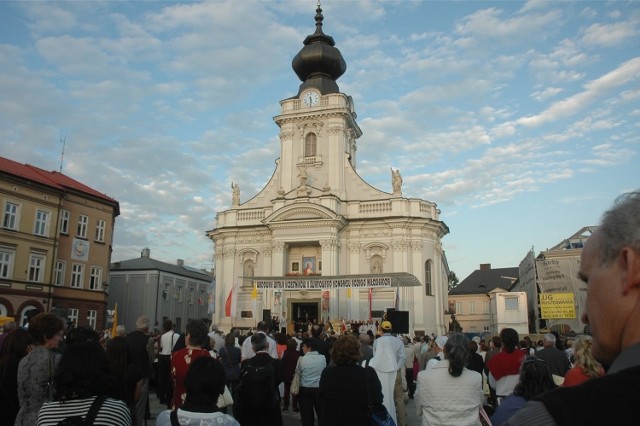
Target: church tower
(318,128)
(317,218)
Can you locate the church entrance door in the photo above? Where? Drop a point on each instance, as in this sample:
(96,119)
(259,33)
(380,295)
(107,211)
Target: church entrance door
(304,311)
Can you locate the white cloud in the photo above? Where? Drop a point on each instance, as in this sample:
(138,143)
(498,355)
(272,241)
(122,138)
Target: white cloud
(488,23)
(610,35)
(549,92)
(622,75)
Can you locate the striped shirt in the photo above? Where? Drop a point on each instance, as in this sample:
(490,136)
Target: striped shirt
(112,412)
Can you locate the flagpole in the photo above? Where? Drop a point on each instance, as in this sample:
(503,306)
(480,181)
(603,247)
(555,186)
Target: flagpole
(114,326)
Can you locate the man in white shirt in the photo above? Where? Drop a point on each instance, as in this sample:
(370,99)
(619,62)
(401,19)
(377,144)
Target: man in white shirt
(167,342)
(388,360)
(247,349)
(217,341)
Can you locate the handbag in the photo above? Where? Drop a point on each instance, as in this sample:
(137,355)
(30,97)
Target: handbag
(378,412)
(380,416)
(225,399)
(294,389)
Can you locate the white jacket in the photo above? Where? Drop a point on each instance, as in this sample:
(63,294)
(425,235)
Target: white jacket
(442,399)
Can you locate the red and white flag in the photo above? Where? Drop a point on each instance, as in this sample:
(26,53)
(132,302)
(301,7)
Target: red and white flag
(231,304)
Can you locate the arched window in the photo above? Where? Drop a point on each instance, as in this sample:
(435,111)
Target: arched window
(23,315)
(427,278)
(376,264)
(310,145)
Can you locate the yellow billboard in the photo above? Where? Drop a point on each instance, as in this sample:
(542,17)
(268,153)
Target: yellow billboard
(557,305)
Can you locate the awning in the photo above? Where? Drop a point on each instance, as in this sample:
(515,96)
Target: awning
(394,279)
(4,320)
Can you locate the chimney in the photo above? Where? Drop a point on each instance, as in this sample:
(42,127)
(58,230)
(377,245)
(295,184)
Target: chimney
(145,252)
(485,266)
(180,262)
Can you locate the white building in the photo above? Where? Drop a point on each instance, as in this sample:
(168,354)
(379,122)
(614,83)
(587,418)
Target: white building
(508,310)
(317,216)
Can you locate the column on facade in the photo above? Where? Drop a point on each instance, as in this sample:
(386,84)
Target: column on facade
(399,252)
(275,262)
(330,267)
(225,278)
(417,296)
(440,287)
(353,307)
(287,160)
(336,137)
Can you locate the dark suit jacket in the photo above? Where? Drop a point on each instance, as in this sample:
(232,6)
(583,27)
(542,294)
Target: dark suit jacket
(138,342)
(367,353)
(344,392)
(557,360)
(477,363)
(273,418)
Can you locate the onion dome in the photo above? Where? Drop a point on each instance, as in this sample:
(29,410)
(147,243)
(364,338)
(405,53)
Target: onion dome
(319,64)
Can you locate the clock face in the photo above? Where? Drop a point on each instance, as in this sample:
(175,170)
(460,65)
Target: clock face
(310,98)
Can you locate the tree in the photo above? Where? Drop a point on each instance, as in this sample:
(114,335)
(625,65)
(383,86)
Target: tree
(453,280)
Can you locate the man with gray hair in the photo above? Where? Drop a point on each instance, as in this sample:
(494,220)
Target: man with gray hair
(120,331)
(216,339)
(365,348)
(610,267)
(142,355)
(556,360)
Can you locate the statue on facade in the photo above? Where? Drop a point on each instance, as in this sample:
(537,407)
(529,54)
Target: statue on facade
(454,325)
(396,181)
(235,196)
(303,176)
(377,266)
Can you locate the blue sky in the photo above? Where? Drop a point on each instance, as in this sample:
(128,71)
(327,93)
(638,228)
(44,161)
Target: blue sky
(519,119)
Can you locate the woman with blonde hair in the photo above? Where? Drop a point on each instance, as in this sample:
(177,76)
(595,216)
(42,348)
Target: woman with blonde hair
(586,367)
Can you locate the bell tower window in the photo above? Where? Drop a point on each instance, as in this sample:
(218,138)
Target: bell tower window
(310,145)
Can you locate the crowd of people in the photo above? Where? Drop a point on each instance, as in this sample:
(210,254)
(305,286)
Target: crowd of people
(49,374)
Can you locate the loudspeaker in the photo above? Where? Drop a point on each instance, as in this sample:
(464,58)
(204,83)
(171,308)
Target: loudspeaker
(266,315)
(399,321)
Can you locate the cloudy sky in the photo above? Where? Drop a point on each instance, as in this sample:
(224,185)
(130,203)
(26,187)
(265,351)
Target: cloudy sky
(519,119)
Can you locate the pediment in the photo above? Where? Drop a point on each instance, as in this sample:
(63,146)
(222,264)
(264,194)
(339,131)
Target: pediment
(301,212)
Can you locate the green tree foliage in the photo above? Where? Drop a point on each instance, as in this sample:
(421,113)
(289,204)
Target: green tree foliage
(453,280)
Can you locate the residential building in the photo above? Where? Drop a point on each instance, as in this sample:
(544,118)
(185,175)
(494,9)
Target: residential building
(55,244)
(146,286)
(508,309)
(473,301)
(317,239)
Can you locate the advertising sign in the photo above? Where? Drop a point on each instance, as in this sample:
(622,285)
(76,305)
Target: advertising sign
(557,305)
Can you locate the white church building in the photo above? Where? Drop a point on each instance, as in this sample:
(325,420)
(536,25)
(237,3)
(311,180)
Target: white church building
(318,241)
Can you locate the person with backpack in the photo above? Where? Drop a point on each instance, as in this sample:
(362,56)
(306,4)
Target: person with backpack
(84,386)
(257,400)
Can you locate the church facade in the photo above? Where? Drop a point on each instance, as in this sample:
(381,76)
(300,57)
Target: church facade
(316,217)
